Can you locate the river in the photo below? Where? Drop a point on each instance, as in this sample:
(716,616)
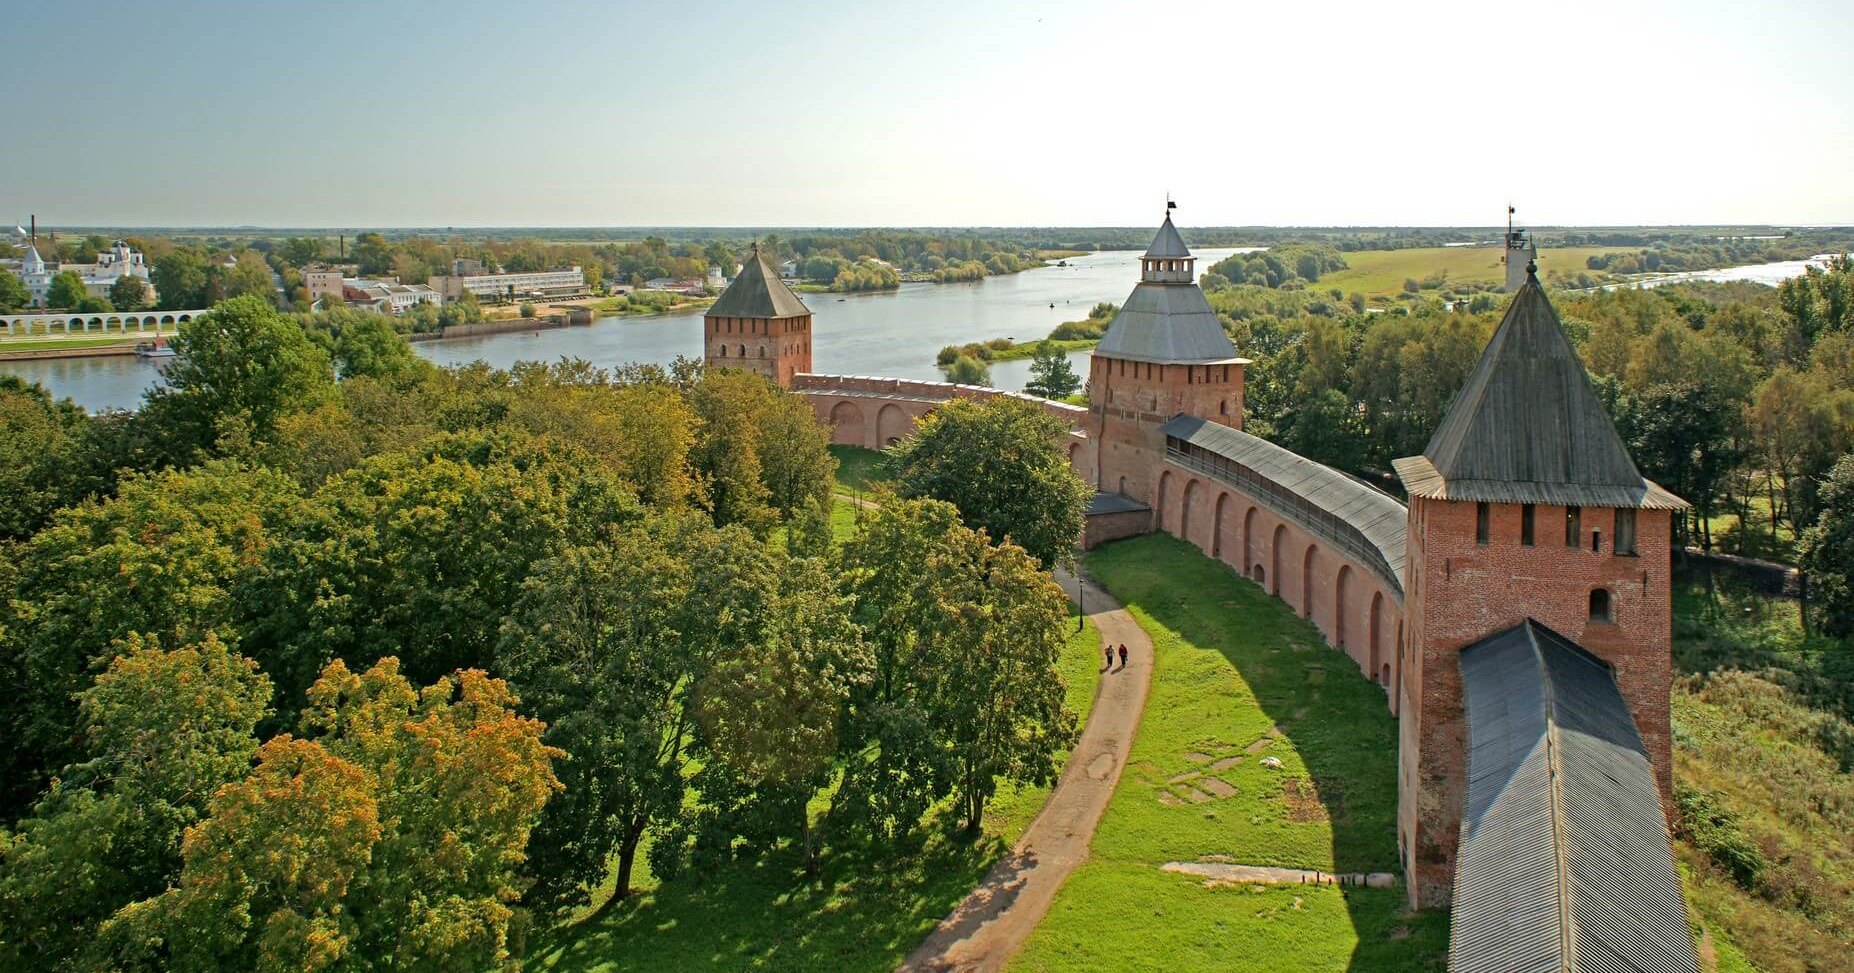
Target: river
(890,333)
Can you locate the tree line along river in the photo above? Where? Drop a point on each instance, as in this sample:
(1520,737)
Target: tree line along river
(887,333)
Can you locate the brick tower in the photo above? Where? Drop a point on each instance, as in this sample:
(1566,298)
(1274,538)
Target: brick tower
(1164,354)
(1524,505)
(758,325)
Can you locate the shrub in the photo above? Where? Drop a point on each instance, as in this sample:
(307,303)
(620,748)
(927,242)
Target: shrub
(527,309)
(1707,825)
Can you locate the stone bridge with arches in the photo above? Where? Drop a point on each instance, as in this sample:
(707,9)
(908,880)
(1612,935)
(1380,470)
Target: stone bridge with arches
(73,323)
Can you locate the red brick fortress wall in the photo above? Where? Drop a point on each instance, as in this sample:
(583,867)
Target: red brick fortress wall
(876,412)
(1130,400)
(1461,591)
(778,348)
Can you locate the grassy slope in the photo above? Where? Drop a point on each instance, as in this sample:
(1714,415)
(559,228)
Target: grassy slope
(864,912)
(1379,273)
(1233,662)
(1772,762)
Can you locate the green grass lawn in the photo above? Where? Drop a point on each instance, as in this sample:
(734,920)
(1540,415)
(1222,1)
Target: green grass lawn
(868,907)
(1233,664)
(42,343)
(1381,273)
(856,467)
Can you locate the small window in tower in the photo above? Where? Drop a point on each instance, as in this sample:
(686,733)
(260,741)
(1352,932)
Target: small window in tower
(1599,605)
(1481,517)
(1625,531)
(1525,524)
(1573,525)
(1223,408)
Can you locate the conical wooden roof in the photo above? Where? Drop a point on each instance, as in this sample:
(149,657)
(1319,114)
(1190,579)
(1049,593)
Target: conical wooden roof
(1167,242)
(1528,426)
(757,293)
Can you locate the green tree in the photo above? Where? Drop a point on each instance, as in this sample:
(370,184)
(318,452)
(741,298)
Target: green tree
(1051,375)
(1828,550)
(1326,429)
(242,367)
(129,293)
(1685,436)
(420,554)
(300,250)
(180,280)
(160,558)
(164,731)
(38,447)
(67,290)
(14,294)
(393,838)
(963,636)
(1002,463)
(608,643)
(968,370)
(249,276)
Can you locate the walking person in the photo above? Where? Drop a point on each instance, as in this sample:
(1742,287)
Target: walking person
(1110,658)
(1123,655)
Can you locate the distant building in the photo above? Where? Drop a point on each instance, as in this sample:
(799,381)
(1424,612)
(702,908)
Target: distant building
(112,265)
(388,296)
(509,287)
(322,280)
(694,286)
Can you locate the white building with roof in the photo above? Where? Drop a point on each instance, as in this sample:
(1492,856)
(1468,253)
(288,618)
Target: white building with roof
(112,265)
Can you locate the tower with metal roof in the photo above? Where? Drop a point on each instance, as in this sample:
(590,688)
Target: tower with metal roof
(1524,507)
(758,325)
(1165,354)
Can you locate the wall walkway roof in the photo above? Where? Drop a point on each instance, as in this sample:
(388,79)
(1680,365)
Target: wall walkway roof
(1358,520)
(1564,864)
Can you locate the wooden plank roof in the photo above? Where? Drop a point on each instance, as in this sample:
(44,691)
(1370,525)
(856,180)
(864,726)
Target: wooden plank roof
(1564,863)
(1528,426)
(757,293)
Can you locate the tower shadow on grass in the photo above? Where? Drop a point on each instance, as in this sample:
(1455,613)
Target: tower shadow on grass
(865,910)
(1334,718)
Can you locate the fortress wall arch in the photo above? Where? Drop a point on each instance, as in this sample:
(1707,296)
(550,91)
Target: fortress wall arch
(846,424)
(1219,528)
(1248,543)
(1355,609)
(892,425)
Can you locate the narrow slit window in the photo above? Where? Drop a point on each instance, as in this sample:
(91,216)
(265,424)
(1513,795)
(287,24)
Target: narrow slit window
(1573,525)
(1525,524)
(1481,518)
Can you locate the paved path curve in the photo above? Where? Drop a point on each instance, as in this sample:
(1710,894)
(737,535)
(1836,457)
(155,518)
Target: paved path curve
(991,923)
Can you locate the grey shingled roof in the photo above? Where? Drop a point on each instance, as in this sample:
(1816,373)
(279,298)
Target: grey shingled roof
(1528,427)
(1352,516)
(1168,324)
(757,293)
(1167,242)
(1564,864)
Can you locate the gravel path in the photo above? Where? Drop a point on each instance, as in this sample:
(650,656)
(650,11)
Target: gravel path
(992,922)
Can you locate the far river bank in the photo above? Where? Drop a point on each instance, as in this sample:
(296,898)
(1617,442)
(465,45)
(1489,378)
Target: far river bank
(893,333)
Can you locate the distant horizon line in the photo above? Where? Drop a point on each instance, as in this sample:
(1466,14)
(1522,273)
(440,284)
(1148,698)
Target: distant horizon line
(767,227)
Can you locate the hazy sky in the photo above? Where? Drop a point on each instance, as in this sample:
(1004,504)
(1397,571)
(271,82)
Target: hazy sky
(1351,112)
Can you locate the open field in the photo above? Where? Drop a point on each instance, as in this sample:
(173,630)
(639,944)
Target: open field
(1381,273)
(866,909)
(1238,675)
